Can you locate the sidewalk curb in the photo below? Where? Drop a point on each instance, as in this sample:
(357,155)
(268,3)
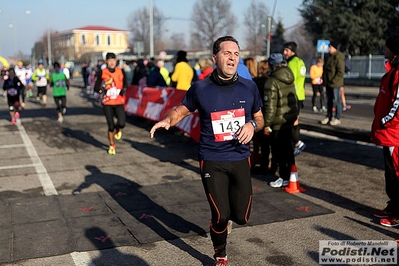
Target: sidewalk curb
(340,132)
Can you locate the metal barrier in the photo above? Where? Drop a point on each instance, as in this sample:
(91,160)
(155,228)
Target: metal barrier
(369,67)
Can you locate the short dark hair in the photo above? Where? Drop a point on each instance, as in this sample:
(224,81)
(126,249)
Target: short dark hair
(392,42)
(181,56)
(109,56)
(216,44)
(56,64)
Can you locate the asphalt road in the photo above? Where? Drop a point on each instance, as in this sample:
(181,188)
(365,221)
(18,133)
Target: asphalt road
(41,158)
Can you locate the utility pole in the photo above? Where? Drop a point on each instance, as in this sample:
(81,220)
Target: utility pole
(48,37)
(269,28)
(151,29)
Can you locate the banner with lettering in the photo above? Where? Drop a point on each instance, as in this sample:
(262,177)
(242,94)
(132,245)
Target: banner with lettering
(155,103)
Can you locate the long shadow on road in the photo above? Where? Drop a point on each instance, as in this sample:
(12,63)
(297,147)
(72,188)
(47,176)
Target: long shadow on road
(367,155)
(110,256)
(128,196)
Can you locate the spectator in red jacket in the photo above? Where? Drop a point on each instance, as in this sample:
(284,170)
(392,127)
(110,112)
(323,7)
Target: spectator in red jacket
(206,67)
(385,131)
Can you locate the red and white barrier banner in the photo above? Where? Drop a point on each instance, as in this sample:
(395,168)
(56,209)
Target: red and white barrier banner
(155,103)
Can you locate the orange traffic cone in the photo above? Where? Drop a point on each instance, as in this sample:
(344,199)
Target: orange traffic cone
(293,185)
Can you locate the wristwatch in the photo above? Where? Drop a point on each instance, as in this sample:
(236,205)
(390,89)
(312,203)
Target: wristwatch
(253,123)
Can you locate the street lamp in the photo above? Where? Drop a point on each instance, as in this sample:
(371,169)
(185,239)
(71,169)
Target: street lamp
(48,37)
(12,26)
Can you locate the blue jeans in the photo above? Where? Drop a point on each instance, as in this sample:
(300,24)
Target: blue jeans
(333,94)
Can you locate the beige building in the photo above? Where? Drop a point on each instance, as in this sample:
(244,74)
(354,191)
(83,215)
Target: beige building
(89,43)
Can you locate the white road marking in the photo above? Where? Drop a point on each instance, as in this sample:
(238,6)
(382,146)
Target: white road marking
(79,258)
(44,178)
(12,146)
(325,136)
(18,166)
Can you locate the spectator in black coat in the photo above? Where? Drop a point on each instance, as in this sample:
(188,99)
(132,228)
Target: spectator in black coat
(154,78)
(85,75)
(140,71)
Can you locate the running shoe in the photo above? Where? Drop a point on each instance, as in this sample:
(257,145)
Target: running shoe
(335,122)
(323,109)
(60,119)
(64,110)
(13,121)
(37,98)
(325,121)
(221,261)
(118,134)
(315,109)
(390,221)
(17,115)
(112,150)
(382,213)
(279,183)
(299,147)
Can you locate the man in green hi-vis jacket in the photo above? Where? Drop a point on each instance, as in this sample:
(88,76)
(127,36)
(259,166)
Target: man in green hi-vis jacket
(297,67)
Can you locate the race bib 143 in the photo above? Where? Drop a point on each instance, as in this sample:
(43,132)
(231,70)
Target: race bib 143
(226,123)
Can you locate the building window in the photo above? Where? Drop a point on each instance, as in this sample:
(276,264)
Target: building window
(108,40)
(83,40)
(97,38)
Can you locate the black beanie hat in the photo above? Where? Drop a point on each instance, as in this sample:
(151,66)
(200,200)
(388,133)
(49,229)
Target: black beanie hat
(393,44)
(291,45)
(335,44)
(110,56)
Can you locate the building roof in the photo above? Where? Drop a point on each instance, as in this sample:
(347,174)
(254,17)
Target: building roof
(97,28)
(88,28)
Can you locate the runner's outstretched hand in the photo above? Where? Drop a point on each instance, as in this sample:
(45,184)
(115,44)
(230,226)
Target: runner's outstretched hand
(161,124)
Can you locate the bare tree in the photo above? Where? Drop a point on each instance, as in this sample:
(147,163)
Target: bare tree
(38,50)
(139,25)
(306,49)
(177,41)
(212,19)
(255,23)
(20,56)
(196,42)
(41,46)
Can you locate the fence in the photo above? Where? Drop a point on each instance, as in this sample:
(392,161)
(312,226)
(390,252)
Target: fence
(369,67)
